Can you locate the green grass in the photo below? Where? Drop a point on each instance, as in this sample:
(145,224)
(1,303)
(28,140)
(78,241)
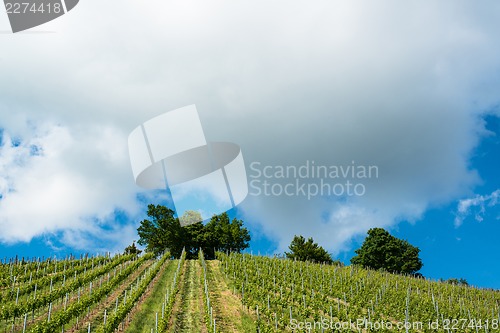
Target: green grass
(189,314)
(228,307)
(144,320)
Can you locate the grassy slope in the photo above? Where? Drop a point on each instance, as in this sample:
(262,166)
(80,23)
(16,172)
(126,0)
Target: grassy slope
(228,309)
(145,318)
(188,314)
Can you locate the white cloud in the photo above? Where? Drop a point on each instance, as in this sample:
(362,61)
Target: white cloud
(399,85)
(477,206)
(53,181)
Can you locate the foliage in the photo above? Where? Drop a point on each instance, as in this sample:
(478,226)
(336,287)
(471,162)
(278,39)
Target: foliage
(163,231)
(14,309)
(381,250)
(114,320)
(276,293)
(224,236)
(169,302)
(78,308)
(40,280)
(284,293)
(132,249)
(457,282)
(307,251)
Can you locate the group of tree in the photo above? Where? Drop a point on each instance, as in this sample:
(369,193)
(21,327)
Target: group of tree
(380,251)
(163,231)
(303,250)
(132,249)
(457,282)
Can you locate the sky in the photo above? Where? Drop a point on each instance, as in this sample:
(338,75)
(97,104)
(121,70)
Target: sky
(411,89)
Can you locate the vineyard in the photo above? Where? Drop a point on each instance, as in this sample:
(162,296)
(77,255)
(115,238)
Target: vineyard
(235,293)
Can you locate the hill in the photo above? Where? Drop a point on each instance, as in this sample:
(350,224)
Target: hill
(235,293)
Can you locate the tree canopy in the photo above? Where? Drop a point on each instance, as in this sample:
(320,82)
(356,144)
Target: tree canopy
(457,282)
(307,251)
(381,250)
(132,249)
(163,231)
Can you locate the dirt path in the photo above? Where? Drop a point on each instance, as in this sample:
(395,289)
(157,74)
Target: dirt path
(228,309)
(188,312)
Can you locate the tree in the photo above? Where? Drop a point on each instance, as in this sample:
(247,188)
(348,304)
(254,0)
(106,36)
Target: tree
(381,250)
(225,236)
(163,231)
(193,239)
(457,282)
(307,251)
(132,249)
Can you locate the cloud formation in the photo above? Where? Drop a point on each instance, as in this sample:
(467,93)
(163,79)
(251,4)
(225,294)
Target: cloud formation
(400,86)
(477,206)
(57,181)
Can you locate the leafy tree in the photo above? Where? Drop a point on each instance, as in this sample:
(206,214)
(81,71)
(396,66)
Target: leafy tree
(193,236)
(307,251)
(381,250)
(132,249)
(163,231)
(224,236)
(457,282)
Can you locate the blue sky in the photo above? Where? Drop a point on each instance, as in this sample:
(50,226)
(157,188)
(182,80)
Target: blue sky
(467,251)
(470,250)
(410,88)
